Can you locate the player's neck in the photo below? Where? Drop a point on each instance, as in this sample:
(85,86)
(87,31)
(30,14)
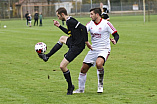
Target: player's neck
(66,17)
(98,20)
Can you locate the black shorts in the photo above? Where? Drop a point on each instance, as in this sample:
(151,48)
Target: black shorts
(73,51)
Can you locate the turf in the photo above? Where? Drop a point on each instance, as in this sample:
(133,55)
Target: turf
(130,72)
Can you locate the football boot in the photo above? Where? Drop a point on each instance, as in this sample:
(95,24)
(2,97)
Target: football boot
(43,56)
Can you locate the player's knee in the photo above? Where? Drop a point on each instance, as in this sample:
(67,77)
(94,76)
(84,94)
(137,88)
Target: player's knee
(83,70)
(61,38)
(85,67)
(99,65)
(100,62)
(62,67)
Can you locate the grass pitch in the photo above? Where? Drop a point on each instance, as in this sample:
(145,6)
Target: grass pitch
(130,72)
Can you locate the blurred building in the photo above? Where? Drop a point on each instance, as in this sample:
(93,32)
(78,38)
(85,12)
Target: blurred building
(46,7)
(18,8)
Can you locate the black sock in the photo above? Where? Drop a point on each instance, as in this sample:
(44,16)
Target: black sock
(68,78)
(54,49)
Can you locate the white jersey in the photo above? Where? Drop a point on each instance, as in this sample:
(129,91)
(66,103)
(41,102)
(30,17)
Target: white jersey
(100,34)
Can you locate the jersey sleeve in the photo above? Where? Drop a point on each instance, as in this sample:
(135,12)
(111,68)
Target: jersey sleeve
(111,28)
(63,29)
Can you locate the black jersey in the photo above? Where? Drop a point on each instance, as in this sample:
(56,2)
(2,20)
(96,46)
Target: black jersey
(77,32)
(26,15)
(104,16)
(36,15)
(29,18)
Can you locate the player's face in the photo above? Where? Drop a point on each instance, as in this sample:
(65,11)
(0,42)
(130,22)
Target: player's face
(60,16)
(93,16)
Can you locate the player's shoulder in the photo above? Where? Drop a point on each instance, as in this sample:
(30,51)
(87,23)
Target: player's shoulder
(89,23)
(104,21)
(70,18)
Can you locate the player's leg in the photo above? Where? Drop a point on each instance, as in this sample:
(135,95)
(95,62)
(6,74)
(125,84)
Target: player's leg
(26,22)
(72,53)
(41,22)
(89,61)
(56,47)
(82,78)
(66,73)
(30,24)
(102,58)
(100,73)
(37,22)
(34,21)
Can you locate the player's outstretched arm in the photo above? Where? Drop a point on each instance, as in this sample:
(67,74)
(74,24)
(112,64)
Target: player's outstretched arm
(63,29)
(56,23)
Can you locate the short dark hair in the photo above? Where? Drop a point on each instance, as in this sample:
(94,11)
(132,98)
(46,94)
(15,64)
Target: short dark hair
(62,10)
(96,10)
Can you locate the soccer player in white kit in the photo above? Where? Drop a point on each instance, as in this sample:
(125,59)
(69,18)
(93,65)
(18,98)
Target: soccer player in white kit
(100,31)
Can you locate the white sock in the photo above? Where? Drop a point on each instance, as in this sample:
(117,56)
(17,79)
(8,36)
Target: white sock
(100,75)
(82,81)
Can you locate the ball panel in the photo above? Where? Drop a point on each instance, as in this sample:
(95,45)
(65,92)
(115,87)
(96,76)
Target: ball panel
(40,47)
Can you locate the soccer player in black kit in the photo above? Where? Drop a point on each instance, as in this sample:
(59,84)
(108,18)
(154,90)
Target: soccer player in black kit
(104,14)
(75,41)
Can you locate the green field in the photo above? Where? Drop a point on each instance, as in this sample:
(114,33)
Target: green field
(130,72)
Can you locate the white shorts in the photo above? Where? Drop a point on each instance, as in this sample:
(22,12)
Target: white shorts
(92,56)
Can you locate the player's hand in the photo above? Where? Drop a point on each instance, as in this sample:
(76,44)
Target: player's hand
(56,23)
(89,45)
(113,41)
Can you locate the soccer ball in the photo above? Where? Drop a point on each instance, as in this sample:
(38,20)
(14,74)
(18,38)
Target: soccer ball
(40,47)
(5,26)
